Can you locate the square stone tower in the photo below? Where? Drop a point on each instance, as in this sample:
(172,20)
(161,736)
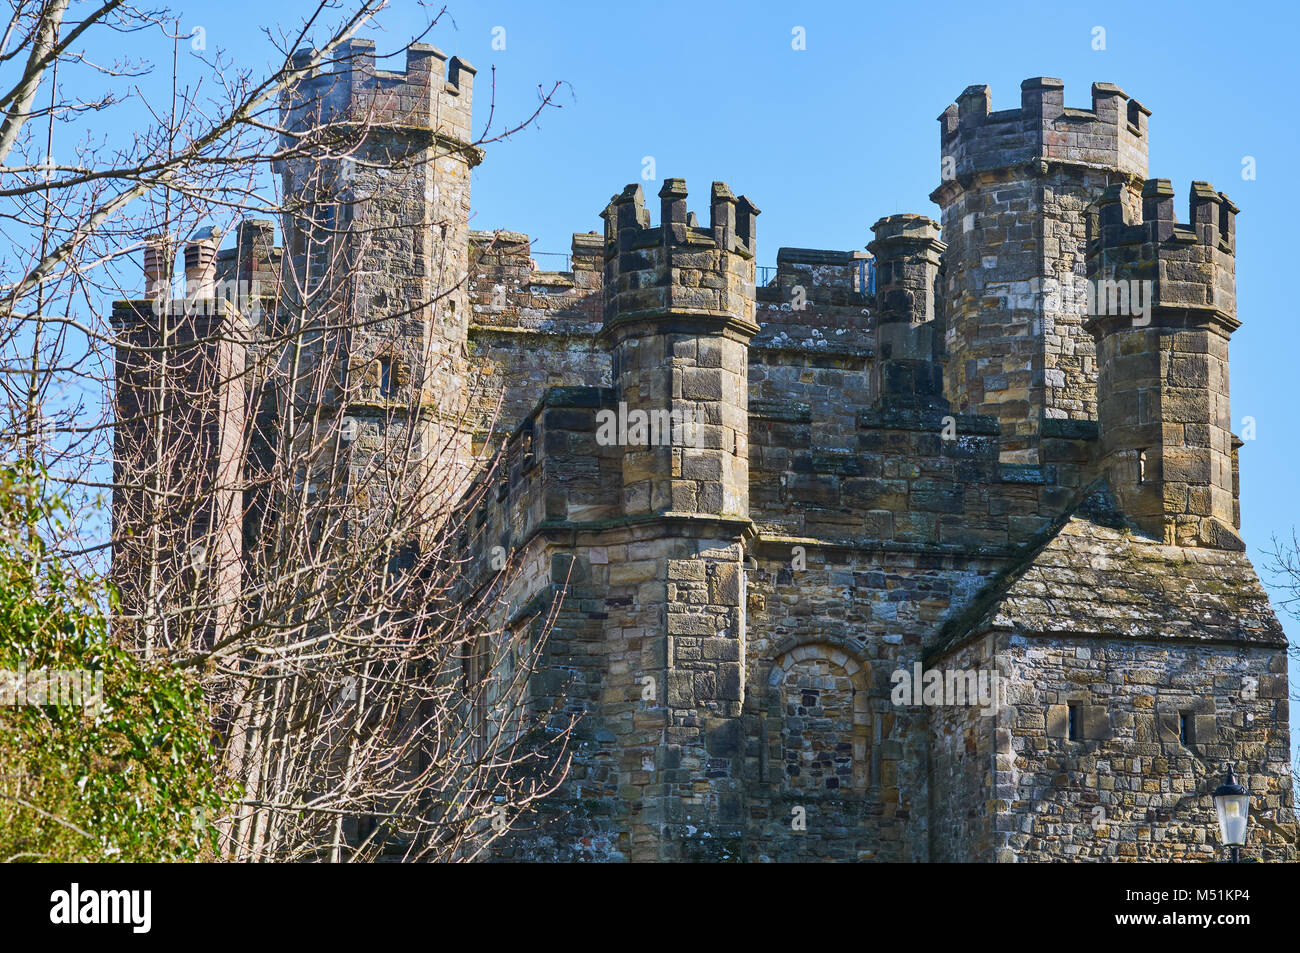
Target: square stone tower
(378,235)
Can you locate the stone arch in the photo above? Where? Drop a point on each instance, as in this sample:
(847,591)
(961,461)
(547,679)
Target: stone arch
(818,693)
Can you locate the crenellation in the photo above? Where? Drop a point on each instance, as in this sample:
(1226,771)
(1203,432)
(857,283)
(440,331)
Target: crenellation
(433,93)
(1044,129)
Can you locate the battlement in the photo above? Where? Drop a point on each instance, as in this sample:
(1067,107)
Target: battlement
(434,93)
(1189,266)
(677,267)
(827,275)
(907,250)
(1112,134)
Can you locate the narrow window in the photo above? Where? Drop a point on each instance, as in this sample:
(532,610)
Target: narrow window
(386,378)
(529,457)
(1134,114)
(1184,728)
(1074,723)
(1142,466)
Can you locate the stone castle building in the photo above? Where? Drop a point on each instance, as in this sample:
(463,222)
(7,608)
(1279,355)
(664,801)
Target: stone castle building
(747,518)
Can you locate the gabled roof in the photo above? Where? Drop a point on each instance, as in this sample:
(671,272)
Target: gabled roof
(1092,575)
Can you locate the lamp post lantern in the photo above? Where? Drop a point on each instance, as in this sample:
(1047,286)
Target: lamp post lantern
(1232,803)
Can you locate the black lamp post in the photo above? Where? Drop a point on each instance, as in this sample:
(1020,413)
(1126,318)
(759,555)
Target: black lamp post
(1232,802)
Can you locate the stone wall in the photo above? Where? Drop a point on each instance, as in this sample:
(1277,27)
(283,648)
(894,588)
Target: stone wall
(970,760)
(530,329)
(813,353)
(1156,723)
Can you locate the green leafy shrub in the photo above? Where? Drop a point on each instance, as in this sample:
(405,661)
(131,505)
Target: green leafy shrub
(129,778)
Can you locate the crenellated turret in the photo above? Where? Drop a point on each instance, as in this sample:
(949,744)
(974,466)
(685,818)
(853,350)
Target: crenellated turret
(679,315)
(434,94)
(1163,303)
(380,229)
(1015,185)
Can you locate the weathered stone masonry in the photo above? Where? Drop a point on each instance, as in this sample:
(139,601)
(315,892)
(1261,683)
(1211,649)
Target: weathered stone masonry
(1016,186)
(954,465)
(1024,545)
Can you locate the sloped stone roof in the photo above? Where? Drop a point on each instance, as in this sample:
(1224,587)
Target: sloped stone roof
(1093,576)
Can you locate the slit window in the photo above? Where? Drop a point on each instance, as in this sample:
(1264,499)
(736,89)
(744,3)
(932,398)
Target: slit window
(1184,728)
(386,388)
(1142,466)
(1134,114)
(1073,730)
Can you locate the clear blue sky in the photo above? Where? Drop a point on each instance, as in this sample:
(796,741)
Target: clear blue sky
(827,139)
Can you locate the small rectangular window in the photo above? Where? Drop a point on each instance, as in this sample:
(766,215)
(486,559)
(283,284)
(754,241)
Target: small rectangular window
(1142,466)
(1074,723)
(386,378)
(1184,728)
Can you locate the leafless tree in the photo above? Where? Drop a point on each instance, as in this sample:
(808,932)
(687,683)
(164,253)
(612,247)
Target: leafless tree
(311,566)
(1281,569)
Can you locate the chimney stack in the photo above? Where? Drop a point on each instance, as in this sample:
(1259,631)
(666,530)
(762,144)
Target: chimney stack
(201,264)
(158,262)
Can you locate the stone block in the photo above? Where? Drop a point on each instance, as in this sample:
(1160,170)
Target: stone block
(1094,723)
(1205,729)
(1058,721)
